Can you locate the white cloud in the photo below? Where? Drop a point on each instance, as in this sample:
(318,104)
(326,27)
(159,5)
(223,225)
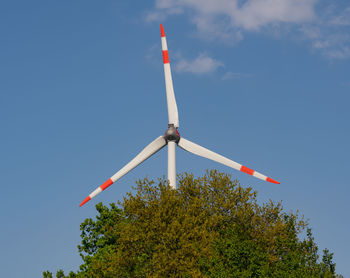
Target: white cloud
(258,13)
(163,8)
(322,27)
(227,15)
(203,64)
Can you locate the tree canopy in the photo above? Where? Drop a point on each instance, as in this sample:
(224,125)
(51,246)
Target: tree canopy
(209,226)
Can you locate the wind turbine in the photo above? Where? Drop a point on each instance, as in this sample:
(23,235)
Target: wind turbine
(172,138)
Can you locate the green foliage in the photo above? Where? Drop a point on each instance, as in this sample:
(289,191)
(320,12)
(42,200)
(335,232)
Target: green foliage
(59,274)
(209,227)
(47,274)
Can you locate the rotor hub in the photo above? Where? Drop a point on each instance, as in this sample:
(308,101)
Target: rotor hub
(171,134)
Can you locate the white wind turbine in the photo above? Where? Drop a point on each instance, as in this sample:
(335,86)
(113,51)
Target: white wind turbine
(172,138)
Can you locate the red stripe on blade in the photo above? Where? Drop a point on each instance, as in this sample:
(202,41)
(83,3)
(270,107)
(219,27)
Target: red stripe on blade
(87,199)
(165,57)
(106,184)
(162,33)
(271,180)
(247,170)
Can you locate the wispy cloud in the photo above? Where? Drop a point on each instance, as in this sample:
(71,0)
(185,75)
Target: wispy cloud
(322,27)
(341,19)
(203,64)
(329,34)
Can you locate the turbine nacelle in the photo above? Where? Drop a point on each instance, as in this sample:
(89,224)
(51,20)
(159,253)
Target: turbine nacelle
(171,134)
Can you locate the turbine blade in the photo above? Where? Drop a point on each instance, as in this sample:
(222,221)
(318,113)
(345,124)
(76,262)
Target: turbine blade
(147,152)
(170,96)
(201,151)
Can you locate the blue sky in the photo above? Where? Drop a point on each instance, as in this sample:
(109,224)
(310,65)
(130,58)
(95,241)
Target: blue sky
(265,83)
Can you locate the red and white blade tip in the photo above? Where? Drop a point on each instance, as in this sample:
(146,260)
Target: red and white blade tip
(271,180)
(162,33)
(256,174)
(98,190)
(87,199)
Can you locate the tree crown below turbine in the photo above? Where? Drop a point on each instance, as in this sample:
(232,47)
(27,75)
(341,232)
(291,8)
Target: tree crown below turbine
(209,226)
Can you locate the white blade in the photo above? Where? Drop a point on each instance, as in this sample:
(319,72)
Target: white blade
(147,152)
(201,151)
(170,96)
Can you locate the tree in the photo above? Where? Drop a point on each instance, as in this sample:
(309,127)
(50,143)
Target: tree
(209,227)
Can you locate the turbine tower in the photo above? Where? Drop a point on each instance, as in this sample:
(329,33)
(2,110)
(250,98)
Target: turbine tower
(172,138)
